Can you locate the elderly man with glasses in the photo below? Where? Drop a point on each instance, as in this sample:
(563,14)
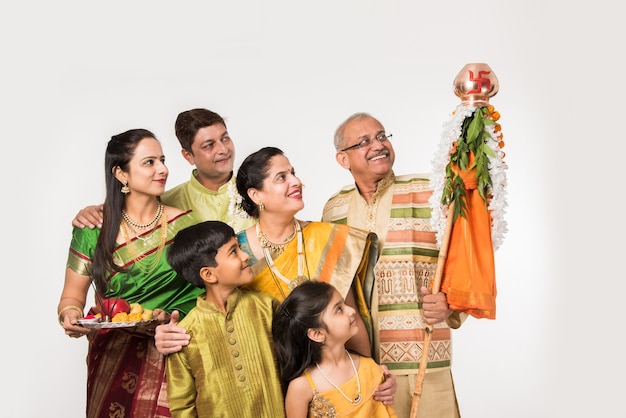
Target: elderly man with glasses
(397,209)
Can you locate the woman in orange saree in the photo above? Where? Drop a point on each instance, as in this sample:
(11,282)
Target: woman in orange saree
(286,251)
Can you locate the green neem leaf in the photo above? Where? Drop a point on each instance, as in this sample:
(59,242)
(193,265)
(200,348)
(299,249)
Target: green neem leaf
(472,140)
(475,127)
(463,161)
(487,150)
(482,188)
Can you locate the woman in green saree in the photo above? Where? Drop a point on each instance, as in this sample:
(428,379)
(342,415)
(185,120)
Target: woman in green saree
(126,259)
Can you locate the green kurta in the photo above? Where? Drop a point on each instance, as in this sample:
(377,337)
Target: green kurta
(228,368)
(222,205)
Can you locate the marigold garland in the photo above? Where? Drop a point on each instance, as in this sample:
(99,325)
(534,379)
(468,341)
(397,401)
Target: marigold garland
(470,129)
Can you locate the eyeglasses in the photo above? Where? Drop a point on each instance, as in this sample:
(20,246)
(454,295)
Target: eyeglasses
(367,141)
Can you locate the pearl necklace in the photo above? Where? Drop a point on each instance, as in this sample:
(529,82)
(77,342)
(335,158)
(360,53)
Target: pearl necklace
(141,260)
(275,247)
(149,225)
(358,397)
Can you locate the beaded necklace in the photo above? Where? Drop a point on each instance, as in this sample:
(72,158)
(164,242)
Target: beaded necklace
(148,225)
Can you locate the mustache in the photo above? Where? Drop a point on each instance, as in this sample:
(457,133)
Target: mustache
(382,152)
(222,157)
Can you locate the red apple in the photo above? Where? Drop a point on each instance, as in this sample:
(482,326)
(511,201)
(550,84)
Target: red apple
(112,306)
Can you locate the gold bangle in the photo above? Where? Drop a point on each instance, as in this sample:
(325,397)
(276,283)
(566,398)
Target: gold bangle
(67,308)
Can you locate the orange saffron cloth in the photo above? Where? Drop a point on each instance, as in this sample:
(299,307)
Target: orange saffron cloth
(469,275)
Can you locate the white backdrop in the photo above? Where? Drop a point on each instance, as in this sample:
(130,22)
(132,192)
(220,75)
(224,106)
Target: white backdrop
(286,73)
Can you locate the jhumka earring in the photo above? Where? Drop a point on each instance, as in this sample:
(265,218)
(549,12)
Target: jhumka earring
(261,207)
(125,189)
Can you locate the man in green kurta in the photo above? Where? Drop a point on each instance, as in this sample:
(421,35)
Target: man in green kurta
(211,191)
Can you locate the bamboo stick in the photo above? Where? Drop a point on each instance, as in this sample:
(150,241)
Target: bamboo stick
(443,254)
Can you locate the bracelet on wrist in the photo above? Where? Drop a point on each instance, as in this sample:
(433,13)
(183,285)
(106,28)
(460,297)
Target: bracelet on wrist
(67,308)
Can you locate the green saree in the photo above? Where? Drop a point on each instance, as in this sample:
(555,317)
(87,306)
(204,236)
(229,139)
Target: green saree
(126,374)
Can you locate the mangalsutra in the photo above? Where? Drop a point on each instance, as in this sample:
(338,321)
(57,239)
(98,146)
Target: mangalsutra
(156,256)
(291,283)
(273,246)
(358,397)
(148,225)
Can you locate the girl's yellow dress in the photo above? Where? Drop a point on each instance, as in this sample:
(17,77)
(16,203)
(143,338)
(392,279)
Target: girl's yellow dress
(332,403)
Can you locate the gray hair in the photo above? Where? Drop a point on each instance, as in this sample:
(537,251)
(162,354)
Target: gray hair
(339,139)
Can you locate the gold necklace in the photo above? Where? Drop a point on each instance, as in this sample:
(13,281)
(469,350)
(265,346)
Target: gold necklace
(143,237)
(357,398)
(149,266)
(291,283)
(274,247)
(150,224)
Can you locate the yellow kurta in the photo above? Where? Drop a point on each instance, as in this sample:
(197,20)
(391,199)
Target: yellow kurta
(228,368)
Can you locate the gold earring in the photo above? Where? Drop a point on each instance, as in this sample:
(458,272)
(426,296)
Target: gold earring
(125,189)
(261,207)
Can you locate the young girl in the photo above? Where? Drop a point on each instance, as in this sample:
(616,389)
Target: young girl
(320,377)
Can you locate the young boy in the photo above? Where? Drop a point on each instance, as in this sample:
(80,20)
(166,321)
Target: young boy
(228,368)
